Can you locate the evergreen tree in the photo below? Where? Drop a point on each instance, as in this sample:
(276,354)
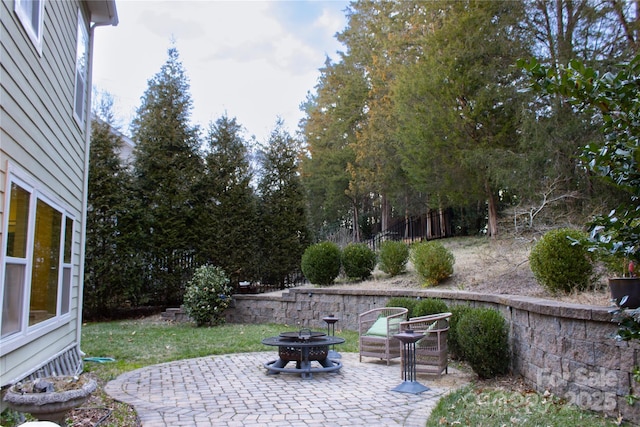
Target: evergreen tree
(333,116)
(283,234)
(459,105)
(168,166)
(371,42)
(230,209)
(111,265)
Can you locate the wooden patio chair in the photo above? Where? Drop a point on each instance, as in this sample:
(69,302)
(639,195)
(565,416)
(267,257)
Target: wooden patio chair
(432,353)
(377,328)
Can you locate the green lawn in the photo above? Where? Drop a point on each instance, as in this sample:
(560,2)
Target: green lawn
(472,406)
(134,344)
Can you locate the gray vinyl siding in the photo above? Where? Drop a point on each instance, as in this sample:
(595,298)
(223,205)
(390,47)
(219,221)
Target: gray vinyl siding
(39,135)
(40,97)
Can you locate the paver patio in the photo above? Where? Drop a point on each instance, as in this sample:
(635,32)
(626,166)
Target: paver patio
(235,390)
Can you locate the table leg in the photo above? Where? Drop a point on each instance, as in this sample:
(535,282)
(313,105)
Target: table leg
(305,364)
(276,364)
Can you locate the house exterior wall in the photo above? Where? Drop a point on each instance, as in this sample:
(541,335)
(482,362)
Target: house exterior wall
(42,143)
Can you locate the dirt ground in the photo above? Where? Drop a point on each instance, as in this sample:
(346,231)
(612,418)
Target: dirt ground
(498,266)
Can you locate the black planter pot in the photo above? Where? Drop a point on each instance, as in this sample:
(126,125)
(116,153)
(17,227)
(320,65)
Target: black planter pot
(625,286)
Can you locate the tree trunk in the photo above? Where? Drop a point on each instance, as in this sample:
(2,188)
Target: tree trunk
(385,212)
(356,223)
(406,218)
(492,224)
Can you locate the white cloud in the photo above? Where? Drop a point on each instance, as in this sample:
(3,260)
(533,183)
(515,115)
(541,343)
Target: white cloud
(254,60)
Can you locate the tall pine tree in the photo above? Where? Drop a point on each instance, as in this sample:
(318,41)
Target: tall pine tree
(111,265)
(168,165)
(283,220)
(230,208)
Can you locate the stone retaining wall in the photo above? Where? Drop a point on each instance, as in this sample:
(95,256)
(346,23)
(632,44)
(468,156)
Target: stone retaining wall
(565,349)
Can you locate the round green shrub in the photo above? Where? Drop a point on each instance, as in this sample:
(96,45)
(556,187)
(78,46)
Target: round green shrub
(321,263)
(432,261)
(457,313)
(406,302)
(561,262)
(207,295)
(393,257)
(358,261)
(429,306)
(484,339)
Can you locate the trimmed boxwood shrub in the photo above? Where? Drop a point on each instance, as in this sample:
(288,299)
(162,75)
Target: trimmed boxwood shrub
(432,261)
(321,263)
(429,306)
(561,262)
(207,295)
(406,302)
(393,257)
(483,336)
(457,312)
(358,261)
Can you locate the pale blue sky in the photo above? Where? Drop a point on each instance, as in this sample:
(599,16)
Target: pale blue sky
(254,60)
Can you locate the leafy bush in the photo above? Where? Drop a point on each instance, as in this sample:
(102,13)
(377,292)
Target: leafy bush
(560,261)
(432,261)
(429,306)
(484,339)
(406,302)
(393,257)
(321,263)
(358,261)
(207,295)
(457,313)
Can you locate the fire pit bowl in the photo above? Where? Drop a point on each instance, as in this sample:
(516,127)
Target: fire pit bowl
(50,405)
(302,335)
(302,347)
(294,354)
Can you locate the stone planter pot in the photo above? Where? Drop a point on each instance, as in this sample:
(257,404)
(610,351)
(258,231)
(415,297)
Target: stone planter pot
(625,286)
(48,406)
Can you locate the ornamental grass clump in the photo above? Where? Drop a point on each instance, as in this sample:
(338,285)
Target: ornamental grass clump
(358,261)
(207,295)
(321,263)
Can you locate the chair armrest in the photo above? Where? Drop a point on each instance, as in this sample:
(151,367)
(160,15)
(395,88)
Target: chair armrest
(426,323)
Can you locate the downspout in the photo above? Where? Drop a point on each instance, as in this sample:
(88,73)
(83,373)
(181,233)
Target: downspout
(85,184)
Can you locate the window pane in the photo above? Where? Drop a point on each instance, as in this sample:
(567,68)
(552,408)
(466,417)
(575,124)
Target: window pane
(30,14)
(66,290)
(68,240)
(82,63)
(18,222)
(13,299)
(34,13)
(46,264)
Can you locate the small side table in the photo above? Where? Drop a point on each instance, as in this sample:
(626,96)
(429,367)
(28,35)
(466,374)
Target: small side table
(408,338)
(331,321)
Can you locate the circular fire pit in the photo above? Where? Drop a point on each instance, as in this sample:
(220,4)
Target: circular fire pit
(302,347)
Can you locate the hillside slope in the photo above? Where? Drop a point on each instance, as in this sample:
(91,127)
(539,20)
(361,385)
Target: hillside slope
(482,265)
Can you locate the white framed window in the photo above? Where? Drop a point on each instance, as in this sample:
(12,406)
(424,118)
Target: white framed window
(35,263)
(82,67)
(31,15)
